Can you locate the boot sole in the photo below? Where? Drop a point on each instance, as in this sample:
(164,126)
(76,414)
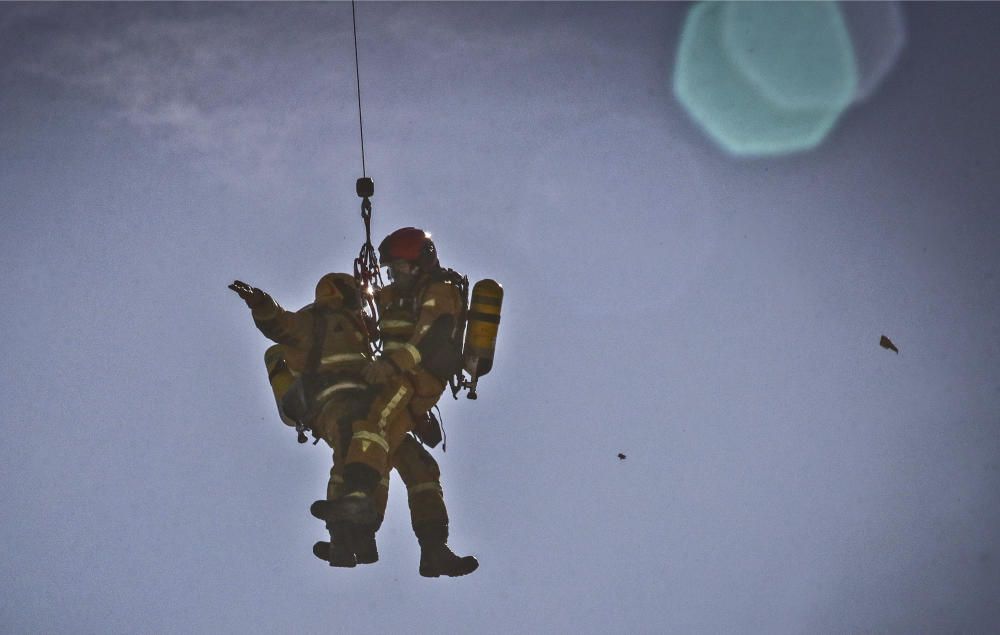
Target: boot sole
(366,558)
(437,574)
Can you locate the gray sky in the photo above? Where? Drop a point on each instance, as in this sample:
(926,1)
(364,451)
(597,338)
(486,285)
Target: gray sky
(715,319)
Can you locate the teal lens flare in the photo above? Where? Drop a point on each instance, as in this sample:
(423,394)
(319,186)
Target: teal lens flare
(765,78)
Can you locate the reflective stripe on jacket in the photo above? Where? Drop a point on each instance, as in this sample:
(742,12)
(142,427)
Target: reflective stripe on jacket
(345,347)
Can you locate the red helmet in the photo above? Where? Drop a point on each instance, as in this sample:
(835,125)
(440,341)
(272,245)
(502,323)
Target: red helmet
(409,244)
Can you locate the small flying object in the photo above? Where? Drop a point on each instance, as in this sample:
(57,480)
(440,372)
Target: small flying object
(621,457)
(886,343)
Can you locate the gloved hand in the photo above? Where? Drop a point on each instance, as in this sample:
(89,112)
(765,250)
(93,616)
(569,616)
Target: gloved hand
(253,296)
(379,372)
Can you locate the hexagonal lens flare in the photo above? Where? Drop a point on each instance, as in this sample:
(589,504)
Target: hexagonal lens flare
(765,78)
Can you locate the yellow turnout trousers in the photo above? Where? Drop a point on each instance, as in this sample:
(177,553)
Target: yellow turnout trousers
(350,412)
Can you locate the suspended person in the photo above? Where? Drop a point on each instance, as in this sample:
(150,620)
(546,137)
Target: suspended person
(326,345)
(421,315)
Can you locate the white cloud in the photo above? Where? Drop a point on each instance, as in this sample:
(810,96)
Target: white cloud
(230,85)
(262,93)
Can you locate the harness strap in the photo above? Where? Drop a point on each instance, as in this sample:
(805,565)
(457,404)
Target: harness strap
(312,365)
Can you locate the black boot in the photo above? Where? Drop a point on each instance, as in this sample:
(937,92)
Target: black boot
(357,506)
(346,534)
(339,552)
(365,547)
(436,559)
(357,509)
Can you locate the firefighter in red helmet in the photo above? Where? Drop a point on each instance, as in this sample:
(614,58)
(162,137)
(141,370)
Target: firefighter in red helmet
(419,325)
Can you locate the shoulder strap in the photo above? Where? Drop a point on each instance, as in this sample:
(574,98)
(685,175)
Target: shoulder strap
(452,277)
(354,318)
(318,335)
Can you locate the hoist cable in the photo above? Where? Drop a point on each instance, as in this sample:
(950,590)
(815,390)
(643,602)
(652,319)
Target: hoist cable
(366,269)
(357,75)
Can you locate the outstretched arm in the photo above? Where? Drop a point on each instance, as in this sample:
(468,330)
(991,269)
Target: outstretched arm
(277,324)
(253,296)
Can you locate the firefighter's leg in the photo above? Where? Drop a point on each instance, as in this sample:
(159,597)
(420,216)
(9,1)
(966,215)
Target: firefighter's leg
(381,500)
(422,477)
(375,437)
(343,539)
(428,513)
(339,437)
(350,534)
(329,425)
(358,512)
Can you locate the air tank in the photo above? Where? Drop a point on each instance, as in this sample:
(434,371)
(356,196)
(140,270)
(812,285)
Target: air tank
(483,321)
(280,376)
